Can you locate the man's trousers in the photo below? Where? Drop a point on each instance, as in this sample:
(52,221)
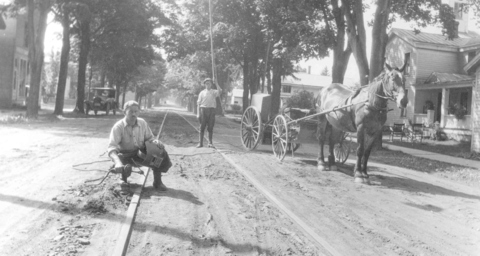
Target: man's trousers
(207,120)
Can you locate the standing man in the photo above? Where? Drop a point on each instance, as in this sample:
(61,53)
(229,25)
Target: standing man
(207,104)
(127,145)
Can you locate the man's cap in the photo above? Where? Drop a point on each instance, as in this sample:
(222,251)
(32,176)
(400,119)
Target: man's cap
(206,80)
(129,104)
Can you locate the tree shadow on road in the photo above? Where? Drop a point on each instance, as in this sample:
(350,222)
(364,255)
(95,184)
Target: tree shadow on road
(243,248)
(148,192)
(140,226)
(412,185)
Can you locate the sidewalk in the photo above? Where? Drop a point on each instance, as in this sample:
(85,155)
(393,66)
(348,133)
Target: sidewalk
(435,156)
(432,155)
(413,152)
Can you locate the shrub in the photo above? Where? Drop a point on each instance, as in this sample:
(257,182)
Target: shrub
(458,110)
(301,99)
(236,107)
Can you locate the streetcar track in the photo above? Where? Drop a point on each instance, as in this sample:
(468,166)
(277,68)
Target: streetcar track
(303,225)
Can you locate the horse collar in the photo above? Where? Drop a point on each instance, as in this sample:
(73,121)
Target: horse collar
(375,108)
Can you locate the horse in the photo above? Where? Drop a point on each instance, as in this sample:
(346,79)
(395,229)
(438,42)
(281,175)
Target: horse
(366,116)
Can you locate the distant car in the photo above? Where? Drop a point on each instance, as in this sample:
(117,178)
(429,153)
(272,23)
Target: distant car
(102,99)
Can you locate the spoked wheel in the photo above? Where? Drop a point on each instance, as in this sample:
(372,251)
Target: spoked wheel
(342,150)
(280,137)
(251,128)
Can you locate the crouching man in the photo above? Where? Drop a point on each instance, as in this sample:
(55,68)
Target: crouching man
(127,146)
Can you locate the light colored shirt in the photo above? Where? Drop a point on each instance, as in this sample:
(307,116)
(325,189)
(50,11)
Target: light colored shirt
(124,137)
(207,98)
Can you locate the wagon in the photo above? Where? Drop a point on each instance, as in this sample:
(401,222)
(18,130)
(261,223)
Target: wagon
(286,131)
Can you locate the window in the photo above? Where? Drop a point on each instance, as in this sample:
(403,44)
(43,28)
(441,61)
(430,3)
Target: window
(14,79)
(403,111)
(471,55)
(286,89)
(409,64)
(458,10)
(464,100)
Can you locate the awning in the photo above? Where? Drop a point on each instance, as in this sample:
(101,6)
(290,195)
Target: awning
(437,77)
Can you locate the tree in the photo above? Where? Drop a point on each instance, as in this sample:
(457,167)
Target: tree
(295,33)
(36,37)
(63,13)
(325,71)
(149,79)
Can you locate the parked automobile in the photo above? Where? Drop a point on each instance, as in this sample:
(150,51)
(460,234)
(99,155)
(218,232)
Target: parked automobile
(102,99)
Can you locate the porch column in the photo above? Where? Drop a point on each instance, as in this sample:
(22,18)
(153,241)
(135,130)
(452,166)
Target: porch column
(476,113)
(444,108)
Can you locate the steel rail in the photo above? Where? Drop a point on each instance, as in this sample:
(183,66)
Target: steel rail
(295,218)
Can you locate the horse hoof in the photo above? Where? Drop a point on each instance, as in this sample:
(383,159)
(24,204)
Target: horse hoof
(366,180)
(359,180)
(333,168)
(321,168)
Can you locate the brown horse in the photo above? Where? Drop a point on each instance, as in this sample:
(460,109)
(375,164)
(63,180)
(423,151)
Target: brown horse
(366,117)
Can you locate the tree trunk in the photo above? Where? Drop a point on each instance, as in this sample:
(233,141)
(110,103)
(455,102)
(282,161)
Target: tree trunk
(380,38)
(245,101)
(62,76)
(341,48)
(36,54)
(277,86)
(357,38)
(125,83)
(82,64)
(379,42)
(269,79)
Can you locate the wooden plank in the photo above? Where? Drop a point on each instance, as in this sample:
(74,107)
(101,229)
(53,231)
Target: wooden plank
(126,231)
(123,239)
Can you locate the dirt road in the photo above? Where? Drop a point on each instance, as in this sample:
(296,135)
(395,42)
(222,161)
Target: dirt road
(210,208)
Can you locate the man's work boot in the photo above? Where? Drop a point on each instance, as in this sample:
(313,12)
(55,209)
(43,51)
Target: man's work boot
(210,140)
(157,181)
(200,139)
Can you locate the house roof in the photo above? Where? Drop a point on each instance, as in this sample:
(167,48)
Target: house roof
(305,79)
(411,36)
(437,77)
(237,93)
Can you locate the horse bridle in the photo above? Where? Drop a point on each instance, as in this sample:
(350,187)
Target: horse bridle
(388,95)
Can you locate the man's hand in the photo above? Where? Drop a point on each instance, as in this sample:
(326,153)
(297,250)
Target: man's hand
(118,168)
(198,118)
(159,144)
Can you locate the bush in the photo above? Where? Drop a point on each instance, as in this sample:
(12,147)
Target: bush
(301,99)
(458,110)
(236,107)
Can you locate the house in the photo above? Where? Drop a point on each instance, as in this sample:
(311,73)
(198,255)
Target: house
(436,74)
(235,97)
(14,68)
(474,67)
(306,81)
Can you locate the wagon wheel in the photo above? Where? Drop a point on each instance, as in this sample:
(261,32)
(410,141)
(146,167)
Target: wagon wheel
(342,150)
(251,128)
(280,137)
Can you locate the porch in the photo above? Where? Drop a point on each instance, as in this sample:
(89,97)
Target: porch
(448,104)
